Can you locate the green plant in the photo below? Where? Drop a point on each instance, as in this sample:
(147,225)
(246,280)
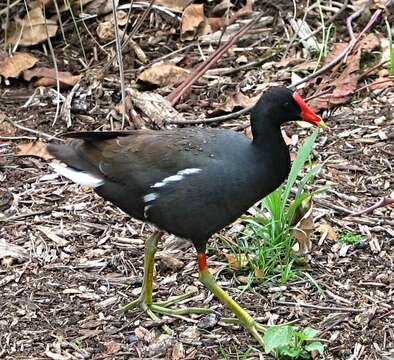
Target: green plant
(391,47)
(287,342)
(326,32)
(268,240)
(350,238)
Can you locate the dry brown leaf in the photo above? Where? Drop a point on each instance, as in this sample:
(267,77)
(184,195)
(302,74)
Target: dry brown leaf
(112,347)
(175,5)
(237,261)
(326,228)
(6,129)
(32,29)
(217,23)
(163,75)
(105,30)
(121,17)
(178,351)
(335,51)
(233,102)
(258,273)
(48,77)
(194,22)
(36,148)
(304,227)
(12,66)
(346,83)
(383,81)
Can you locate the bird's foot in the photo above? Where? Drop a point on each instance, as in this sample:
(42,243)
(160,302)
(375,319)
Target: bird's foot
(151,309)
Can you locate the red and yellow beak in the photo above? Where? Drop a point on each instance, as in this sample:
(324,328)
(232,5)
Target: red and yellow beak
(307,113)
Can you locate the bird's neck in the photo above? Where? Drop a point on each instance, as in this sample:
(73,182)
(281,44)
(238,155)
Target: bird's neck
(267,134)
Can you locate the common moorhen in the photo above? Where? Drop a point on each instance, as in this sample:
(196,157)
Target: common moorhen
(190,182)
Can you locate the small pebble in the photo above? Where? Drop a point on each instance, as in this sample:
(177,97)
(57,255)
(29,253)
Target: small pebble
(208,321)
(380,120)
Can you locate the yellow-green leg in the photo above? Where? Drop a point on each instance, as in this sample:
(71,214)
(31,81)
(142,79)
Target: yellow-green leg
(145,298)
(247,321)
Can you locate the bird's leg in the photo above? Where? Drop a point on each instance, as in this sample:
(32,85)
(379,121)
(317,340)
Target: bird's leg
(145,298)
(208,280)
(149,262)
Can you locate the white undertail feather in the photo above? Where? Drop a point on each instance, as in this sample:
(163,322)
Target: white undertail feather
(79,177)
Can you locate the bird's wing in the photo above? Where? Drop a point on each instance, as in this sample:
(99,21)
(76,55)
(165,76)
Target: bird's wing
(140,157)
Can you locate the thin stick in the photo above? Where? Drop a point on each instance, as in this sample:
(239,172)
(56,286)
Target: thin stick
(7,21)
(328,22)
(133,31)
(36,132)
(351,18)
(127,21)
(318,307)
(66,109)
(120,62)
(390,79)
(9,7)
(53,56)
(60,21)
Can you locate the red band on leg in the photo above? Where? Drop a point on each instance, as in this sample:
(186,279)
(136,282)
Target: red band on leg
(202,261)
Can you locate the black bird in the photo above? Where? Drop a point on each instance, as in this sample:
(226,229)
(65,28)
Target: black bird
(190,182)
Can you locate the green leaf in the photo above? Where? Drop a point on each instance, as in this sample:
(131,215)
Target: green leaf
(278,336)
(298,164)
(291,352)
(308,176)
(310,333)
(315,346)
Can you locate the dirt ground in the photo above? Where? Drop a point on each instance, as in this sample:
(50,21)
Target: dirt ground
(80,259)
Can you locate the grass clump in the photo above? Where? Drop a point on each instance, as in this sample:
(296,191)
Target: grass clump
(391,47)
(265,250)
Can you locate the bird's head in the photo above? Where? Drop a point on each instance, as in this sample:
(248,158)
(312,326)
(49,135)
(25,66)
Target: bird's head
(279,105)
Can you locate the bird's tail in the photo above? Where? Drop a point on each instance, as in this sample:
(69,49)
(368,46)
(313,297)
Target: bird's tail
(78,168)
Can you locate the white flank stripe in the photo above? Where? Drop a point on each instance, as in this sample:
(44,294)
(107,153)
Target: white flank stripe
(158,184)
(178,177)
(146,208)
(150,197)
(173,178)
(189,171)
(79,177)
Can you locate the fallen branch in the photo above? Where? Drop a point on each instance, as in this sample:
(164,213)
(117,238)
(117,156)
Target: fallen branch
(212,59)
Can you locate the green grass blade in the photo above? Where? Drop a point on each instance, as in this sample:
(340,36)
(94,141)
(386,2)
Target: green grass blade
(298,164)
